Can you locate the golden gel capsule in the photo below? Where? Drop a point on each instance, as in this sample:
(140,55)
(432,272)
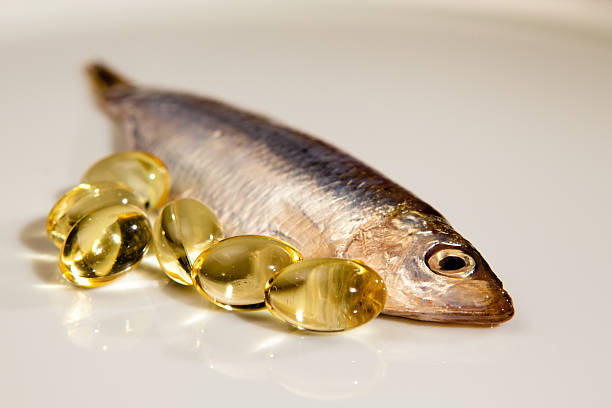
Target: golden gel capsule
(82,200)
(144,173)
(233,272)
(183,230)
(326,294)
(105,244)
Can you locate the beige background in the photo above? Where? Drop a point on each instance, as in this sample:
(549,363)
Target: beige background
(499,116)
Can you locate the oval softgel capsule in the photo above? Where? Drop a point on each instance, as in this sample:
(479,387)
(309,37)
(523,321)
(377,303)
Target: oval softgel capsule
(82,200)
(326,294)
(105,244)
(182,231)
(146,174)
(233,272)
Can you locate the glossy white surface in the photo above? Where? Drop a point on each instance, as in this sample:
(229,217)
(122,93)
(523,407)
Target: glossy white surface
(503,124)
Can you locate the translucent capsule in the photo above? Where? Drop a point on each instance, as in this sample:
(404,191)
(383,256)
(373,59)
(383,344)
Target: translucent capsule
(326,294)
(82,200)
(144,173)
(183,230)
(105,244)
(233,272)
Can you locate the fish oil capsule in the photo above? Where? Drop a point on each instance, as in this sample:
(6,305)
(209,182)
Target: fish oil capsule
(82,200)
(326,294)
(182,231)
(233,272)
(144,173)
(105,244)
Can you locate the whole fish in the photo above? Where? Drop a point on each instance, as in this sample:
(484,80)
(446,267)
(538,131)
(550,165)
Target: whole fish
(262,177)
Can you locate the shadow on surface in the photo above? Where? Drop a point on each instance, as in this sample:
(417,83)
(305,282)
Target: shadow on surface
(44,255)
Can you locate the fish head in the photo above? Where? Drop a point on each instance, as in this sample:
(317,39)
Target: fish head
(432,273)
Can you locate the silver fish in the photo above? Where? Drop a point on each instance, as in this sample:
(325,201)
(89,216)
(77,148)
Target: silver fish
(262,177)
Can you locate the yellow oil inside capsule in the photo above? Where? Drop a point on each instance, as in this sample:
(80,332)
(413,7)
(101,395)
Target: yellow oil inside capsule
(105,244)
(82,200)
(144,173)
(326,294)
(233,272)
(182,231)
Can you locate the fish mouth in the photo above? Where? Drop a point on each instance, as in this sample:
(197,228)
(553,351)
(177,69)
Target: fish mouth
(500,309)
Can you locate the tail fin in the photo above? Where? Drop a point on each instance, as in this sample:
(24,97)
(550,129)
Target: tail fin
(103,80)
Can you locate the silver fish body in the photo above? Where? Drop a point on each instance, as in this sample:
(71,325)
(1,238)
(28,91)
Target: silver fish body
(261,177)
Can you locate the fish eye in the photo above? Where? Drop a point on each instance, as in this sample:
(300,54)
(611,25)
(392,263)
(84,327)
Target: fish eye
(451,262)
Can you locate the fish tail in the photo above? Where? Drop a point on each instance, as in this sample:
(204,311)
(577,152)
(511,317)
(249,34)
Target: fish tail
(104,80)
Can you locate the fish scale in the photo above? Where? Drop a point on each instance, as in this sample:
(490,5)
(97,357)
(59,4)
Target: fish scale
(247,168)
(261,177)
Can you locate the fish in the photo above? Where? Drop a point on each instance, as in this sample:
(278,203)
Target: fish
(263,177)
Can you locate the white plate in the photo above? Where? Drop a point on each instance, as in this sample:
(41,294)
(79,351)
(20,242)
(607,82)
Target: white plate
(500,119)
